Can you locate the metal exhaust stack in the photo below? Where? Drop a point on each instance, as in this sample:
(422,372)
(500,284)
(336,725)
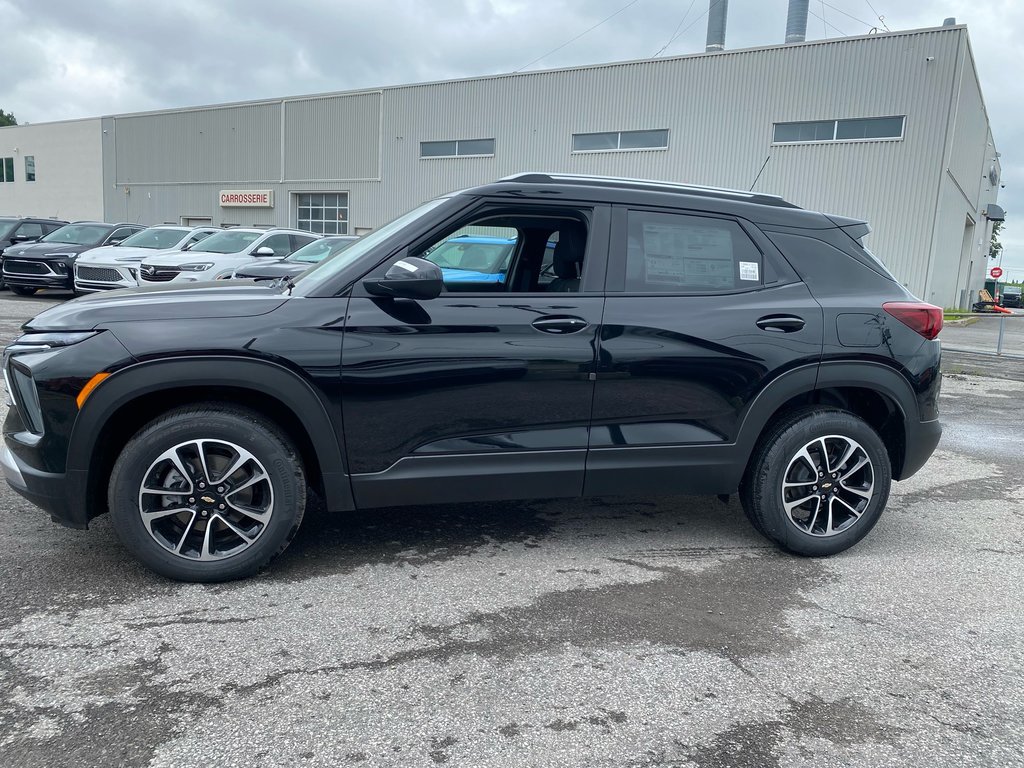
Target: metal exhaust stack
(796,21)
(718,10)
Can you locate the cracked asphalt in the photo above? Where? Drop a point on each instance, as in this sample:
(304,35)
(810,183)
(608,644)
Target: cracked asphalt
(619,632)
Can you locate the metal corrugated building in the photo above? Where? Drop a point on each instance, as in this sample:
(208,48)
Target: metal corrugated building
(352,161)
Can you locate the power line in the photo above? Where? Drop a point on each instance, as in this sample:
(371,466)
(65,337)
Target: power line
(688,27)
(824,24)
(881,18)
(840,10)
(827,23)
(581,34)
(674,31)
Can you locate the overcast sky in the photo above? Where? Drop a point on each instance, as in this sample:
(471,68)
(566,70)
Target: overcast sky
(81,58)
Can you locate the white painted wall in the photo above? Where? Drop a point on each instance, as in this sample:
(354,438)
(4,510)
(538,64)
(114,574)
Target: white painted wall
(69,170)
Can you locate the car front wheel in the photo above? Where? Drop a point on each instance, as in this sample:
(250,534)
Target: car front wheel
(817,482)
(207,493)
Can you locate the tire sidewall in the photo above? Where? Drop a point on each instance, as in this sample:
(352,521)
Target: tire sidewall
(777,458)
(277,458)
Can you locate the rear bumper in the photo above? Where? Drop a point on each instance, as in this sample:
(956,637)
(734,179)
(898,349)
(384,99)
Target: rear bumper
(921,439)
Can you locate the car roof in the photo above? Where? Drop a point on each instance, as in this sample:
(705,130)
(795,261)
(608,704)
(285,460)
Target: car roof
(552,187)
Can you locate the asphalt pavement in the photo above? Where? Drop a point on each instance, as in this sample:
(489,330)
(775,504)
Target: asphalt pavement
(626,632)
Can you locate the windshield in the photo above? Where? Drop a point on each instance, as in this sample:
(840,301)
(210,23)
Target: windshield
(334,264)
(226,242)
(319,250)
(78,234)
(159,238)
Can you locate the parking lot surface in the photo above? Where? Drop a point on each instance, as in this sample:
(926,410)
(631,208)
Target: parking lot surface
(617,632)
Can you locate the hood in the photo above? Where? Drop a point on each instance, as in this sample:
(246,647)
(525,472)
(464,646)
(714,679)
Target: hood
(110,254)
(225,298)
(173,258)
(42,250)
(273,270)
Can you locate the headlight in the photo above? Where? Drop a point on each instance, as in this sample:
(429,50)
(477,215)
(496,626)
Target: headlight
(38,342)
(200,267)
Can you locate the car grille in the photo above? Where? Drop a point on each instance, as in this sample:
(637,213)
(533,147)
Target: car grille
(99,274)
(160,276)
(16,267)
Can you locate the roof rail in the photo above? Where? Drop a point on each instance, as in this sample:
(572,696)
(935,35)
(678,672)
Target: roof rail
(533,177)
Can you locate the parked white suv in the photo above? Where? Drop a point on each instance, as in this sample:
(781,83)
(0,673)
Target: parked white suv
(117,266)
(217,256)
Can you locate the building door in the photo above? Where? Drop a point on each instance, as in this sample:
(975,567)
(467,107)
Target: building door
(963,280)
(196,221)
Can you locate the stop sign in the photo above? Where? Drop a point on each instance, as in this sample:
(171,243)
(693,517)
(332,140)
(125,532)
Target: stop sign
(996,272)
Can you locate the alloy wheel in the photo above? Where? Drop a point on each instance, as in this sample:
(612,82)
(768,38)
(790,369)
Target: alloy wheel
(206,499)
(828,486)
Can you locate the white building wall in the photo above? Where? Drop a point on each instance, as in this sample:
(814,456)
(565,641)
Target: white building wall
(69,173)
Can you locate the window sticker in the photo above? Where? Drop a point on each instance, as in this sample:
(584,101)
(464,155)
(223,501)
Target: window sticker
(688,256)
(749,271)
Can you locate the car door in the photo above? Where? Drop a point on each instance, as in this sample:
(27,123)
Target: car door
(485,391)
(702,316)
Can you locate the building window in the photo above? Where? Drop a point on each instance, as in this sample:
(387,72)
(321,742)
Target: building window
(853,129)
(618,141)
(30,168)
(7,169)
(458,148)
(325,213)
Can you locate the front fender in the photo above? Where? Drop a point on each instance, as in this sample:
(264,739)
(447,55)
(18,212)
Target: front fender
(294,393)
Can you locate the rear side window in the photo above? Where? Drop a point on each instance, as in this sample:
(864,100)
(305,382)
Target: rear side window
(680,253)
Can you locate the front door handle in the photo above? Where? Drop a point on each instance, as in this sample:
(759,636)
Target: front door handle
(781,323)
(560,324)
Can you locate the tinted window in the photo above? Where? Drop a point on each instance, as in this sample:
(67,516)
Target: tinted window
(279,244)
(298,241)
(78,234)
(30,168)
(669,252)
(31,230)
(457,148)
(871,128)
(617,140)
(318,250)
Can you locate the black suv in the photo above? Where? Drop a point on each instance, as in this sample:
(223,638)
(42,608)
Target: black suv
(685,340)
(15,230)
(49,263)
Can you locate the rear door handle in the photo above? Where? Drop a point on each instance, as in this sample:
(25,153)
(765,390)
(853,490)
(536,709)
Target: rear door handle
(781,323)
(560,324)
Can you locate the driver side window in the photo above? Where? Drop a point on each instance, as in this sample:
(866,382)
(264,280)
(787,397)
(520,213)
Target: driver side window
(510,253)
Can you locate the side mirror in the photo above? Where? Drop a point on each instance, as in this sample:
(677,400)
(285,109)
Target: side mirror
(115,242)
(187,246)
(24,239)
(264,250)
(408,278)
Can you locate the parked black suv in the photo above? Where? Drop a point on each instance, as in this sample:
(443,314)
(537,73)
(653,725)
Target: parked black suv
(16,230)
(690,340)
(49,263)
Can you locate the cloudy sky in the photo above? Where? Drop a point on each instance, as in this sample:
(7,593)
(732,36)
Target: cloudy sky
(79,58)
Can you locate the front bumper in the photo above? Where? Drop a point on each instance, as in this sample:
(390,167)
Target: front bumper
(50,280)
(88,277)
(48,491)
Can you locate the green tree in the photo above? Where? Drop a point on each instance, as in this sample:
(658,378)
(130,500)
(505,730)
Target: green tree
(6,118)
(994,246)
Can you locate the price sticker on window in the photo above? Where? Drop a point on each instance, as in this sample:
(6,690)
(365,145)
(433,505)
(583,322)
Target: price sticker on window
(749,271)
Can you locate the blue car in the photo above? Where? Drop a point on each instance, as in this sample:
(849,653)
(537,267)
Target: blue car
(479,259)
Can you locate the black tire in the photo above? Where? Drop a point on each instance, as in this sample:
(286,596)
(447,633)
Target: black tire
(23,290)
(223,427)
(762,491)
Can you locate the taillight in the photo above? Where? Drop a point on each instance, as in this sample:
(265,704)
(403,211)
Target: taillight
(926,319)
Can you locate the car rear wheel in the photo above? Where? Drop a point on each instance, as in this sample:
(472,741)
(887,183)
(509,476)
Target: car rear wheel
(818,481)
(207,493)
(24,290)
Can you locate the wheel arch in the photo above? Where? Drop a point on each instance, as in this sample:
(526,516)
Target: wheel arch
(876,393)
(132,397)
